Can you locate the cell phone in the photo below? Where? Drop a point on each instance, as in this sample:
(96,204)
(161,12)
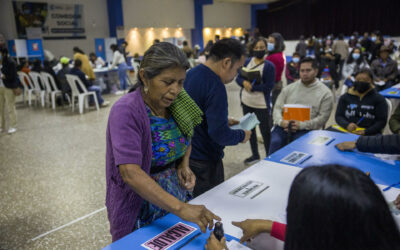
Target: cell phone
(218,231)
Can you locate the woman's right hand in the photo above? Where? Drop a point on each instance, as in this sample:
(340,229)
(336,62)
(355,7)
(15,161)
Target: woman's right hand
(198,214)
(252,228)
(351,127)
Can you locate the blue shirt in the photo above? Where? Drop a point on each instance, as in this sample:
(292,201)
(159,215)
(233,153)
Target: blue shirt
(213,134)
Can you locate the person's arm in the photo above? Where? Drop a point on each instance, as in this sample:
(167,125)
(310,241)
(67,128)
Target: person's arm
(116,57)
(216,114)
(278,107)
(347,70)
(252,228)
(379,124)
(394,72)
(186,177)
(239,79)
(340,118)
(383,144)
(394,122)
(323,115)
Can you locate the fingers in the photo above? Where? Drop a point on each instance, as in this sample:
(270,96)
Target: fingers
(202,227)
(237,224)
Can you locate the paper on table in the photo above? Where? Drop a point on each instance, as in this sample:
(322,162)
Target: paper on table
(321,140)
(234,245)
(247,122)
(380,83)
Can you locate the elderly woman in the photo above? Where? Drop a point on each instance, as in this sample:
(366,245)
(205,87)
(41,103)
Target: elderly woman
(148,147)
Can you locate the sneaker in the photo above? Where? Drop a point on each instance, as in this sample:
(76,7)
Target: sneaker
(251,160)
(12,130)
(105,104)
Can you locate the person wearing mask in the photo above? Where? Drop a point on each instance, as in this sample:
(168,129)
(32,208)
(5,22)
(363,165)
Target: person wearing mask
(376,44)
(255,96)
(275,49)
(366,43)
(205,83)
(385,69)
(307,91)
(148,147)
(8,90)
(119,60)
(77,70)
(327,70)
(301,47)
(329,207)
(95,61)
(86,67)
(292,69)
(353,64)
(362,107)
(341,48)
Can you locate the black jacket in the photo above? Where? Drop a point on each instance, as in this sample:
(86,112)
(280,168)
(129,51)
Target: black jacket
(9,70)
(372,107)
(383,144)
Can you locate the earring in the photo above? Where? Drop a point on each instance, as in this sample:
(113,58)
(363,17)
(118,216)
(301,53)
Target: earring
(146,90)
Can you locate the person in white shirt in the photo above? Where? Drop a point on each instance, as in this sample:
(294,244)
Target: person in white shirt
(96,62)
(119,60)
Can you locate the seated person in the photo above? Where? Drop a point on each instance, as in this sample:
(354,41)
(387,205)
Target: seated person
(394,122)
(381,144)
(62,79)
(76,70)
(326,210)
(48,69)
(362,107)
(353,64)
(327,70)
(307,91)
(96,62)
(385,69)
(292,69)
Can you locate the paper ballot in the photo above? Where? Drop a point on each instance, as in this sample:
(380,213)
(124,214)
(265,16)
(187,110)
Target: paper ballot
(234,245)
(247,122)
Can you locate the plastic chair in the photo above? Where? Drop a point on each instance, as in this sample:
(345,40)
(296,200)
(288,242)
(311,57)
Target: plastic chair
(36,77)
(28,90)
(73,80)
(51,88)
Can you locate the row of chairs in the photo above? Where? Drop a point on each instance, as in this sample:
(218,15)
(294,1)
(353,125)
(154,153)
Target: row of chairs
(50,90)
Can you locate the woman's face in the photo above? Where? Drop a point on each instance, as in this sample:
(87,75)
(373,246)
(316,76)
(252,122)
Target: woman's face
(165,87)
(260,45)
(363,77)
(271,40)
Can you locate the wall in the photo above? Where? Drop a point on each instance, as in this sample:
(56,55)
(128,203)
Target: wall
(96,25)
(222,14)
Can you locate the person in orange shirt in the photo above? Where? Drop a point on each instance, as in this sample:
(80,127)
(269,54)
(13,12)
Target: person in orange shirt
(25,68)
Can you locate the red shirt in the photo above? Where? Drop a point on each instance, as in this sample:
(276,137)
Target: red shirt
(278,231)
(279,60)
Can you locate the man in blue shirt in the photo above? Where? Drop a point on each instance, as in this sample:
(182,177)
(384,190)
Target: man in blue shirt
(205,84)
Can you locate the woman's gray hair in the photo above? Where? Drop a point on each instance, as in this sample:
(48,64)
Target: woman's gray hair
(159,57)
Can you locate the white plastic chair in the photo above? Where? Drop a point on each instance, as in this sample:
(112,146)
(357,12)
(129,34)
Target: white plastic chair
(28,90)
(36,77)
(73,80)
(51,88)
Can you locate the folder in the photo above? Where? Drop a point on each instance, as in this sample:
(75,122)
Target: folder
(296,112)
(345,130)
(251,75)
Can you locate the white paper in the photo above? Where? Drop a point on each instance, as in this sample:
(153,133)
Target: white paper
(247,122)
(247,188)
(234,245)
(380,83)
(295,157)
(321,140)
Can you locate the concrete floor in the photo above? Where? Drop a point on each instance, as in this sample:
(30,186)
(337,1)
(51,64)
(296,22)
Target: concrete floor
(52,172)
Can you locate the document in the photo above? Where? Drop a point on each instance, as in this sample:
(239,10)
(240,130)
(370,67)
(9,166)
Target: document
(296,112)
(247,122)
(296,157)
(321,140)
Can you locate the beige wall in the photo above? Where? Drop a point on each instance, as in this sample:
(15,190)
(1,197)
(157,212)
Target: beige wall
(96,25)
(222,14)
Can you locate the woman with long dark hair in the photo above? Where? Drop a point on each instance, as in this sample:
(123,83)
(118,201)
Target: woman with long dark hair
(355,61)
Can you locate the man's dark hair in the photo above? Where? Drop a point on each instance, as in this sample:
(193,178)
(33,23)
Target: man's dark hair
(92,54)
(341,36)
(335,207)
(185,43)
(366,71)
(314,63)
(77,63)
(227,48)
(114,47)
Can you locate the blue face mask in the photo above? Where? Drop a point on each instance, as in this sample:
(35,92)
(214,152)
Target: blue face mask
(271,47)
(296,59)
(356,56)
(373,38)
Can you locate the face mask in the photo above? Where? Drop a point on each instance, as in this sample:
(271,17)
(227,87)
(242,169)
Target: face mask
(271,46)
(361,87)
(259,53)
(352,37)
(356,56)
(296,59)
(373,38)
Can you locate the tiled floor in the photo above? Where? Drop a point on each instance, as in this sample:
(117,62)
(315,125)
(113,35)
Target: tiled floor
(52,172)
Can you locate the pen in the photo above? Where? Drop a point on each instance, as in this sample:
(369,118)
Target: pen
(389,187)
(362,118)
(254,81)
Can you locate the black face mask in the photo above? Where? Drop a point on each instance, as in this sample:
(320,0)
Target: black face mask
(361,87)
(259,53)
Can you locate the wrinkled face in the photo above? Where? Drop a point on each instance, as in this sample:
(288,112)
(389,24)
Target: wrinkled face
(363,77)
(229,70)
(165,87)
(307,72)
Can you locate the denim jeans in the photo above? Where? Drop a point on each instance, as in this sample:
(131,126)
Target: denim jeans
(123,78)
(96,89)
(279,138)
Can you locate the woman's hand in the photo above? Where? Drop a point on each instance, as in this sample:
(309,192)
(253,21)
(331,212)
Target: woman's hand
(359,132)
(198,214)
(247,86)
(346,146)
(252,228)
(214,244)
(186,177)
(351,127)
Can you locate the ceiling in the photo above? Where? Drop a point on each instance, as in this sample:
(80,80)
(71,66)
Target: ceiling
(248,1)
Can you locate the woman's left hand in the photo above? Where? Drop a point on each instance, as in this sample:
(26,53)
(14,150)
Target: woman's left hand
(214,244)
(186,177)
